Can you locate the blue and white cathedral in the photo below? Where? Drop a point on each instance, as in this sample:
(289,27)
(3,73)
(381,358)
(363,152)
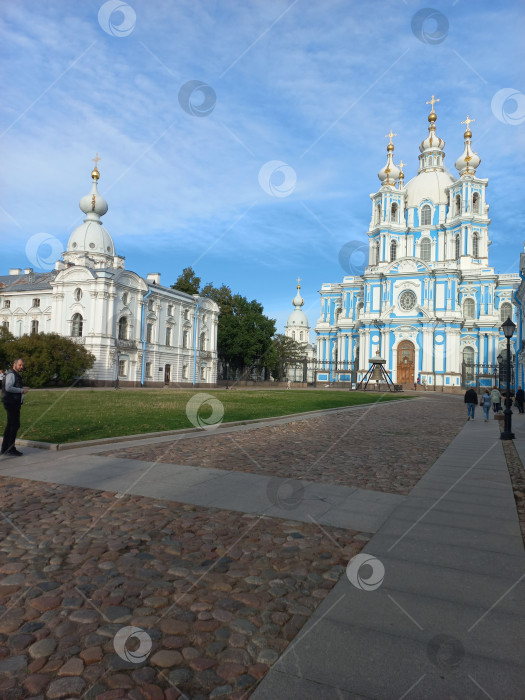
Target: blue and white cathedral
(428,302)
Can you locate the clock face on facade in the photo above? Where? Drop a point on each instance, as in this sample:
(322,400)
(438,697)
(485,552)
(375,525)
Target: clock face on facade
(407,300)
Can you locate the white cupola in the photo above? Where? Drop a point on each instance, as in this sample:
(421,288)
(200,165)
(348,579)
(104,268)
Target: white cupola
(297,326)
(467,163)
(390,172)
(90,244)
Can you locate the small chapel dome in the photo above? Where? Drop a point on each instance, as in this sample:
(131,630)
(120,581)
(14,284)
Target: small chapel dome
(468,161)
(297,317)
(390,172)
(91,237)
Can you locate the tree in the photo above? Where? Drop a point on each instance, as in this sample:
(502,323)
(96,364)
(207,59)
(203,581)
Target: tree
(244,333)
(48,358)
(284,352)
(187,282)
(5,358)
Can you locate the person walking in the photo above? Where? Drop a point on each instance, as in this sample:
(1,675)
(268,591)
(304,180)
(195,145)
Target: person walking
(485,404)
(495,397)
(13,391)
(471,399)
(520,398)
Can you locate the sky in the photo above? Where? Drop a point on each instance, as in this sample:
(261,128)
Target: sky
(243,139)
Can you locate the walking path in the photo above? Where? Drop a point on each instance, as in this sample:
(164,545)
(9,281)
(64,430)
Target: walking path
(446,621)
(449,618)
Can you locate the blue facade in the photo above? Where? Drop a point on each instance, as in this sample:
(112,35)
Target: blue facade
(428,300)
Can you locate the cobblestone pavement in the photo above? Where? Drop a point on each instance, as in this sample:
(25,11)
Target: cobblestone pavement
(219,594)
(383,447)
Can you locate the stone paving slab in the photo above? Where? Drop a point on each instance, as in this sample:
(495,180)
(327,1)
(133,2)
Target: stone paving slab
(360,641)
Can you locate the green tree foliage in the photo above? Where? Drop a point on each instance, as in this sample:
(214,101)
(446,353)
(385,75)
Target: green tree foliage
(48,358)
(5,359)
(187,282)
(244,333)
(284,351)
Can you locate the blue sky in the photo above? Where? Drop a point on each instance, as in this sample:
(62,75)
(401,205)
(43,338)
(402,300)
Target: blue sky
(311,85)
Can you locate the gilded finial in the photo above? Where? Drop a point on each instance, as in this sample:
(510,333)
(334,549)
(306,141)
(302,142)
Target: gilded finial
(390,146)
(298,283)
(432,116)
(432,102)
(95,173)
(468,121)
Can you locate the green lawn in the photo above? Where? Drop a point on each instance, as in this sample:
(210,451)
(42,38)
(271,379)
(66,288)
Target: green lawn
(58,417)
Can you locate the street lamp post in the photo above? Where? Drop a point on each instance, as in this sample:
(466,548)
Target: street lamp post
(499,359)
(508,329)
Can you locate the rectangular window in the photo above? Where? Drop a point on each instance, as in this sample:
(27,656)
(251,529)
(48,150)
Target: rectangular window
(34,326)
(203,373)
(36,302)
(170,309)
(185,337)
(186,314)
(148,370)
(185,371)
(122,368)
(168,336)
(149,332)
(5,324)
(7,303)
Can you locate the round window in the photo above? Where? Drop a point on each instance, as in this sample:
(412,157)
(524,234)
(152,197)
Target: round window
(74,245)
(91,245)
(108,249)
(407,300)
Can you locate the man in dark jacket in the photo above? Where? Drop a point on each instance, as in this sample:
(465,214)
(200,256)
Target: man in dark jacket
(12,397)
(471,399)
(520,398)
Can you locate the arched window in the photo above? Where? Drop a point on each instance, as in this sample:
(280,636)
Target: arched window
(475,246)
(76,326)
(425,249)
(202,341)
(458,205)
(393,251)
(293,335)
(376,259)
(301,336)
(123,328)
(505,312)
(393,213)
(168,335)
(359,310)
(476,203)
(378,213)
(78,294)
(457,246)
(468,362)
(469,309)
(149,332)
(426,215)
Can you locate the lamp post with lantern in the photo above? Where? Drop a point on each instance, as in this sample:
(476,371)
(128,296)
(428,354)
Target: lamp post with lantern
(508,329)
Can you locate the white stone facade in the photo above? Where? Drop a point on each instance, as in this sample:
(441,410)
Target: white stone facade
(149,334)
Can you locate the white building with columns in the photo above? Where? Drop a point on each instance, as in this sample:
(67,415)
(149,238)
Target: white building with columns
(146,333)
(428,299)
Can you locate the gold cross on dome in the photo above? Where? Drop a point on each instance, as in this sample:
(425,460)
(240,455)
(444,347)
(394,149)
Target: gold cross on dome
(298,283)
(400,165)
(95,160)
(432,102)
(389,136)
(468,121)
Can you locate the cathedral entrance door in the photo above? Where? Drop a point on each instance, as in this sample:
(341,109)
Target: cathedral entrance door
(405,362)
